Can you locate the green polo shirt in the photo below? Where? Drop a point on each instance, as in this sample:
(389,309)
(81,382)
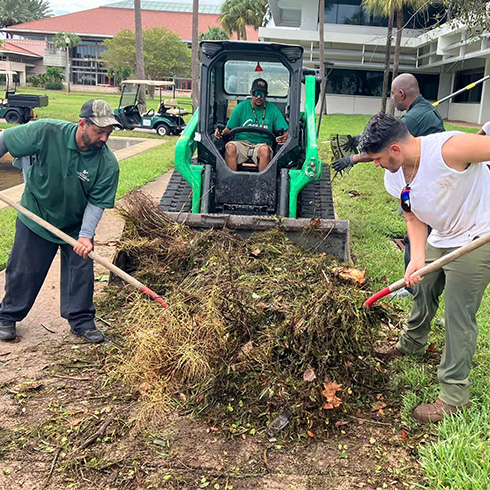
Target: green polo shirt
(269,117)
(62,179)
(422,118)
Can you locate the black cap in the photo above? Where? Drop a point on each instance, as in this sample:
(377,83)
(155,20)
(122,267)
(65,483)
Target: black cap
(259,84)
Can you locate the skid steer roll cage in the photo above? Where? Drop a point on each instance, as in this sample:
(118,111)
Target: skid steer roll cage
(201,127)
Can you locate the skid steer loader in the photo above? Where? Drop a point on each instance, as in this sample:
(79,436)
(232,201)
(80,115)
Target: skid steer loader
(293,194)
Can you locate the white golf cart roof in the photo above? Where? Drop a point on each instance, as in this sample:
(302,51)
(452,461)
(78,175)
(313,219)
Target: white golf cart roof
(155,83)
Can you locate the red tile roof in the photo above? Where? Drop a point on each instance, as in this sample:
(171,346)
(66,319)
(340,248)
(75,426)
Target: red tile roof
(106,21)
(11,46)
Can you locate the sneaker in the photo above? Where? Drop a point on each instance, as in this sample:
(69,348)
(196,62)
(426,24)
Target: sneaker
(7,331)
(400,293)
(92,336)
(435,411)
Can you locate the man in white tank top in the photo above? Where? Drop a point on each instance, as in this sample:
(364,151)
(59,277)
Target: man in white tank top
(443,185)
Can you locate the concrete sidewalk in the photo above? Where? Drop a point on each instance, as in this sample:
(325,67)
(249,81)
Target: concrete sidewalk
(26,353)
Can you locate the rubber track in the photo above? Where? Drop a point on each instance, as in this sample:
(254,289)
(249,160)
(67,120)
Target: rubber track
(315,200)
(177,196)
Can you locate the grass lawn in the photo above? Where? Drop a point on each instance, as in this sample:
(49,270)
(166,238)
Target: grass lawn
(134,172)
(454,455)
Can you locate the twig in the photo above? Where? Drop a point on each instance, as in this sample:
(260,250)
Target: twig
(369,420)
(53,464)
(5,354)
(48,329)
(103,321)
(73,378)
(100,432)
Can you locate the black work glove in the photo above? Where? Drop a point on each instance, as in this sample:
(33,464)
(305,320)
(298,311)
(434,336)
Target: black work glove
(343,163)
(351,143)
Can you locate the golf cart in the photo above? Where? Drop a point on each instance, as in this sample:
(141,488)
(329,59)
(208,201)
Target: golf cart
(18,108)
(165,119)
(293,193)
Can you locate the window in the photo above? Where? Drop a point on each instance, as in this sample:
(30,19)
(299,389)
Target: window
(239,76)
(354,13)
(464,78)
(355,82)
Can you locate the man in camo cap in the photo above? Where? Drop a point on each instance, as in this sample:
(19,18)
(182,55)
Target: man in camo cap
(72,180)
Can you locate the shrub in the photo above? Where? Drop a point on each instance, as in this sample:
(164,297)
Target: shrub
(35,80)
(53,86)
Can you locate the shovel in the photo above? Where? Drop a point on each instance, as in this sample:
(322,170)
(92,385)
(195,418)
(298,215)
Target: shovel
(71,241)
(437,264)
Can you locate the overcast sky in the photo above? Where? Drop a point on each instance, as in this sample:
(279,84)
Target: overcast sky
(59,7)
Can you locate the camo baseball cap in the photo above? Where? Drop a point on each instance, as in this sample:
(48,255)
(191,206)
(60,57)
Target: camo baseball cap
(99,112)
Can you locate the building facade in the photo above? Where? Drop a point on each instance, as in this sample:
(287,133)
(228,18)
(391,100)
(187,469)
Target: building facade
(94,26)
(444,59)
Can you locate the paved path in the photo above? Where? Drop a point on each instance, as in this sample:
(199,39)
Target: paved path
(15,193)
(46,308)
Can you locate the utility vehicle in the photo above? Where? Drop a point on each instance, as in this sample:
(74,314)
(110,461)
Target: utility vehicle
(18,108)
(294,192)
(166,118)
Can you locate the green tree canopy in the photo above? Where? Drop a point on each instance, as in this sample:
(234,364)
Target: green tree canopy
(18,11)
(236,15)
(214,34)
(60,39)
(164,53)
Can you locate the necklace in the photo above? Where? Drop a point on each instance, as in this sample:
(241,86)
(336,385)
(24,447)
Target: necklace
(415,167)
(255,116)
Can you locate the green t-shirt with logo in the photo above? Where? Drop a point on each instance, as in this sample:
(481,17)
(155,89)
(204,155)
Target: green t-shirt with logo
(269,117)
(62,179)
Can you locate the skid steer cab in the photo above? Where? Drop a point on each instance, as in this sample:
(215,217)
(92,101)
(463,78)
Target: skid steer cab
(166,117)
(294,191)
(18,108)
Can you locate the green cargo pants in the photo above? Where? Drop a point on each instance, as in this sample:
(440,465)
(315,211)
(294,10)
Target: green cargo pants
(464,281)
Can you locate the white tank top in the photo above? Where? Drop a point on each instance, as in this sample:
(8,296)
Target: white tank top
(455,204)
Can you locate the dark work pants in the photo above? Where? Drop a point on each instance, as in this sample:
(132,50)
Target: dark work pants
(27,267)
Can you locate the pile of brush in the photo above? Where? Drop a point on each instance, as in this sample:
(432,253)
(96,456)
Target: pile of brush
(254,326)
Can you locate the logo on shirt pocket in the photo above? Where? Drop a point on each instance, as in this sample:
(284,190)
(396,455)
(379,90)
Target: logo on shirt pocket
(83,175)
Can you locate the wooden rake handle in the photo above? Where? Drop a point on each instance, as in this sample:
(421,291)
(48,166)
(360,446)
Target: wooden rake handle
(97,258)
(437,264)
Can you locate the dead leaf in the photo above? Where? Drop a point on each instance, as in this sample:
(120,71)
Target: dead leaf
(256,252)
(354,193)
(431,348)
(73,423)
(332,401)
(309,375)
(379,405)
(248,347)
(27,386)
(182,397)
(310,433)
(351,274)
(316,223)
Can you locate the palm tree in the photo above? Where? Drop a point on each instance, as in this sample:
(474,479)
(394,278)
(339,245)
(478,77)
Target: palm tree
(140,59)
(214,34)
(388,8)
(236,15)
(384,8)
(18,11)
(195,54)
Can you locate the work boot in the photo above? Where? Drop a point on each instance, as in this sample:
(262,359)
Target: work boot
(387,352)
(435,411)
(7,331)
(92,335)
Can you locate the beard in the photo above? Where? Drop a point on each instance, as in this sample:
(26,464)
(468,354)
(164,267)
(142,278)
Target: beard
(89,144)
